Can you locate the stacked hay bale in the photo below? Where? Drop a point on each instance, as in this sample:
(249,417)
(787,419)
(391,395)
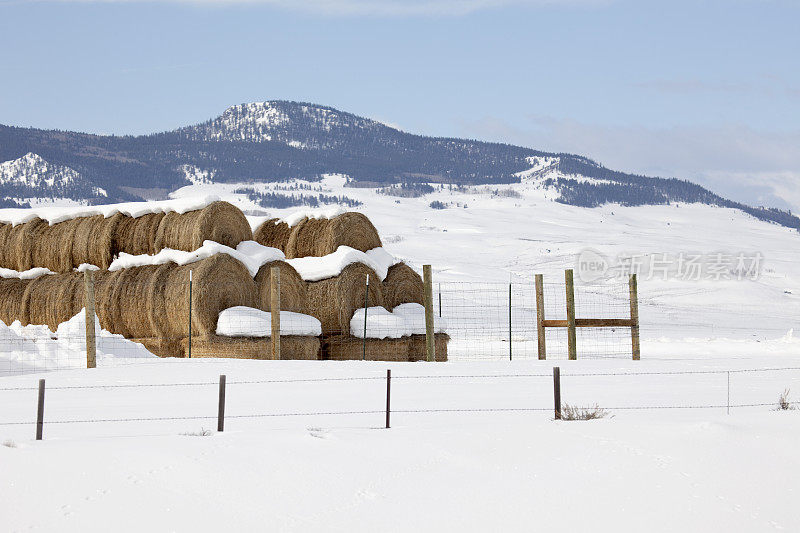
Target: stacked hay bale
(334,300)
(319,236)
(293,290)
(403,285)
(97,240)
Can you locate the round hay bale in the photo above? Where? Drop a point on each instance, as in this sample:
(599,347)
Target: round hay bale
(219,282)
(318,237)
(12,298)
(53,247)
(334,300)
(403,285)
(104,303)
(93,238)
(219,222)
(273,233)
(5,230)
(20,243)
(293,287)
(137,236)
(50,300)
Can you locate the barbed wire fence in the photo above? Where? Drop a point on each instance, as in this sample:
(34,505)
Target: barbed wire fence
(361,396)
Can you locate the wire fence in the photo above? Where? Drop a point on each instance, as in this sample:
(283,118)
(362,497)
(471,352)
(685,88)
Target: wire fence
(473,321)
(362,398)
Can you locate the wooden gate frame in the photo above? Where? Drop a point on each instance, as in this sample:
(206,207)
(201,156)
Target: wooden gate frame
(571,323)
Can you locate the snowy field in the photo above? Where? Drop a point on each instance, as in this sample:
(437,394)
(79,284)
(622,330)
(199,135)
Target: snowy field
(473,444)
(458,467)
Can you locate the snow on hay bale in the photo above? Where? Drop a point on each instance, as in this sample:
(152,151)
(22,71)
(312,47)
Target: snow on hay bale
(292,347)
(219,221)
(273,233)
(293,290)
(402,285)
(321,236)
(334,300)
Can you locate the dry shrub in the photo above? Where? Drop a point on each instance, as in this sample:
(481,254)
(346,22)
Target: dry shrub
(292,287)
(273,233)
(784,404)
(334,300)
(403,285)
(219,222)
(569,412)
(318,237)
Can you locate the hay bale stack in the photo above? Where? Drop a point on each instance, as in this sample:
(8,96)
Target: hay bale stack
(273,233)
(5,230)
(318,237)
(293,288)
(292,347)
(53,299)
(418,350)
(334,300)
(403,285)
(12,292)
(219,222)
(19,249)
(137,236)
(348,348)
(53,248)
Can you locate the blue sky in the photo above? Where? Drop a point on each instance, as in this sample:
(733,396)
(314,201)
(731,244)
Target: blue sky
(703,90)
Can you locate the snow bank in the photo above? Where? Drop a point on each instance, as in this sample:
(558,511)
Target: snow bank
(317,212)
(55,215)
(250,253)
(28,274)
(37,348)
(404,320)
(331,265)
(243,321)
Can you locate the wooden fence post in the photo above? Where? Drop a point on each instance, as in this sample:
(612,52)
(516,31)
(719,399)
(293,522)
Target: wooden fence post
(429,330)
(540,329)
(557,392)
(221,408)
(91,347)
(189,355)
(366,306)
(571,336)
(275,310)
(40,411)
(633,292)
(509,322)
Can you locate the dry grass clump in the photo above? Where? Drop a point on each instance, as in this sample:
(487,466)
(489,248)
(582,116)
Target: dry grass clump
(219,221)
(292,287)
(403,285)
(334,300)
(318,237)
(784,404)
(273,233)
(569,412)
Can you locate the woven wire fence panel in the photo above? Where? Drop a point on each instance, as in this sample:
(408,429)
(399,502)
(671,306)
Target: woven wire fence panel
(495,320)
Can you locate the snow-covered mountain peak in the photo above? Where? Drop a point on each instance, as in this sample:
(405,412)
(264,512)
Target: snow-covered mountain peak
(32,176)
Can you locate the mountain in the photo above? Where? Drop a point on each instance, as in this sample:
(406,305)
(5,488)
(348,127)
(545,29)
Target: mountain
(30,176)
(280,140)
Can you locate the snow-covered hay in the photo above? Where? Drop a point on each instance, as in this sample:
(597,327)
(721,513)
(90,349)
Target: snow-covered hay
(273,233)
(292,347)
(293,291)
(402,285)
(334,300)
(321,236)
(98,239)
(219,221)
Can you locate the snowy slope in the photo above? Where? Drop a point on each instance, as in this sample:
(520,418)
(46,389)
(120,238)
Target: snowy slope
(32,178)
